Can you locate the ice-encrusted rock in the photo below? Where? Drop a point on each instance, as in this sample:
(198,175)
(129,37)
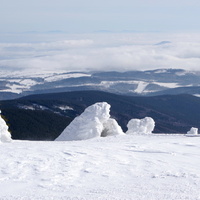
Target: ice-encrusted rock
(141,126)
(193,131)
(88,125)
(111,127)
(95,121)
(5,135)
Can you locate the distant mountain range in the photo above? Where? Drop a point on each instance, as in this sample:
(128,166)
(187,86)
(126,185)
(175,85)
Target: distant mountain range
(44,116)
(133,83)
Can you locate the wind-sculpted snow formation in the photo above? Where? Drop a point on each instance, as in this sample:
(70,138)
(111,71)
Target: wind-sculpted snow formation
(111,127)
(193,131)
(5,136)
(141,126)
(95,121)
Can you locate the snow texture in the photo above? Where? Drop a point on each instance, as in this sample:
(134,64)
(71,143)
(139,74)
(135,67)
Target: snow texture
(5,136)
(139,167)
(141,126)
(111,127)
(89,124)
(193,131)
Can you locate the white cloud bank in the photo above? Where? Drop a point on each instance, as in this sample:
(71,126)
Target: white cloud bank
(104,52)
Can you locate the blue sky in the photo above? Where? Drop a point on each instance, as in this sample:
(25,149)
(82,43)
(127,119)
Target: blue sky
(83,16)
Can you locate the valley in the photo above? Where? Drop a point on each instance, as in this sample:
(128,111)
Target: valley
(133,83)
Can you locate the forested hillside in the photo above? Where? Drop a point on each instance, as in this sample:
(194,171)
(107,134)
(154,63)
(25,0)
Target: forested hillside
(44,116)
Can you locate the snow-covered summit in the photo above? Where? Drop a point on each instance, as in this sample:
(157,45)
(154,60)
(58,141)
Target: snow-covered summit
(5,135)
(139,167)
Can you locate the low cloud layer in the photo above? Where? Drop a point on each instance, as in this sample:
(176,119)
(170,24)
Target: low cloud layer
(103,52)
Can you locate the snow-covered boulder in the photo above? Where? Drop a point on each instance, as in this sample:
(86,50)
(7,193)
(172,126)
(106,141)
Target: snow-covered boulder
(88,125)
(5,135)
(141,126)
(111,127)
(193,131)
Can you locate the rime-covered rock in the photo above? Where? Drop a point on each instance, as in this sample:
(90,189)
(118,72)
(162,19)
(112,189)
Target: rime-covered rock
(88,125)
(141,126)
(111,127)
(5,135)
(95,121)
(193,131)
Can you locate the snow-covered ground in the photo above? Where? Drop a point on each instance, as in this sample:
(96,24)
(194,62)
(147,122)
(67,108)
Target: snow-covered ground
(136,167)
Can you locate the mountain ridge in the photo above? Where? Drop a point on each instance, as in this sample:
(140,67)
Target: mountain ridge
(49,114)
(133,83)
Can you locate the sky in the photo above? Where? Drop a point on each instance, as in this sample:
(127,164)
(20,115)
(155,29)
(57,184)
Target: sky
(49,35)
(78,16)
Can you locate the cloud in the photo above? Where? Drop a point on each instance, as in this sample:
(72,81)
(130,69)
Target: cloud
(104,52)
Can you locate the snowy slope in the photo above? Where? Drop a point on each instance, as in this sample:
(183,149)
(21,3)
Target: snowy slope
(152,167)
(151,82)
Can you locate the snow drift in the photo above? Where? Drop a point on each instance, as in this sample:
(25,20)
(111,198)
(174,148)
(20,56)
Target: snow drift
(5,135)
(141,126)
(95,121)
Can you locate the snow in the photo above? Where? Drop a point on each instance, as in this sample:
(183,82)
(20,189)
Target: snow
(141,86)
(21,81)
(4,133)
(183,73)
(160,71)
(141,126)
(193,131)
(137,165)
(88,125)
(19,85)
(33,107)
(110,83)
(27,107)
(111,128)
(167,85)
(14,88)
(64,107)
(65,76)
(140,167)
(196,95)
(24,81)
(95,121)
